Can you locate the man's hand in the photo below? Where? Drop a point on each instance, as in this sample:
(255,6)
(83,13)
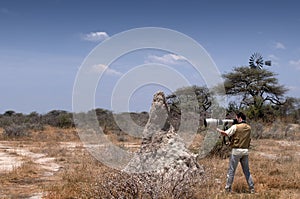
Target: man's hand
(222,132)
(219,130)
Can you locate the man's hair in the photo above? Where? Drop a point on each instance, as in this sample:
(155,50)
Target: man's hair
(241,115)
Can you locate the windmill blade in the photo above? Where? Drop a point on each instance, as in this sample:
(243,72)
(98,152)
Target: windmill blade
(256,61)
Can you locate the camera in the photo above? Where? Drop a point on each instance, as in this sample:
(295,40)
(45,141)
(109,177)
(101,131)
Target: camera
(212,122)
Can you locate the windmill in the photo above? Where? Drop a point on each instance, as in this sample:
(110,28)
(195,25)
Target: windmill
(256,61)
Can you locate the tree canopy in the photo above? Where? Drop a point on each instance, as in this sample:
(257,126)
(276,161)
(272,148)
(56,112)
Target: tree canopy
(255,87)
(184,97)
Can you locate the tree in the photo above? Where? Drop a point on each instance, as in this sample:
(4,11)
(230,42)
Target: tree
(9,113)
(184,98)
(255,87)
(194,100)
(291,109)
(58,118)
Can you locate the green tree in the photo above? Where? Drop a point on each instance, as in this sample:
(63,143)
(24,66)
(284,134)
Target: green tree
(255,88)
(193,98)
(58,118)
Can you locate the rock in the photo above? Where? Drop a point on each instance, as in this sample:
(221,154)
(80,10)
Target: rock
(163,163)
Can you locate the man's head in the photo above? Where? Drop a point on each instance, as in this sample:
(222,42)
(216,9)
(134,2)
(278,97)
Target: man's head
(240,117)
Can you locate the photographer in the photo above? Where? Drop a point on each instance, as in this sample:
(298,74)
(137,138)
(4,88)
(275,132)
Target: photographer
(240,134)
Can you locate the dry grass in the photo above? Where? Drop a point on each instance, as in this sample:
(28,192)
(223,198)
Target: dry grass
(21,181)
(274,165)
(275,169)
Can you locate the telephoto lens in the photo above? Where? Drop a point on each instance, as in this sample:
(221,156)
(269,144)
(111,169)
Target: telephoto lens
(212,122)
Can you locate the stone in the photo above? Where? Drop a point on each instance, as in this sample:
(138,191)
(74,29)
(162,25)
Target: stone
(163,164)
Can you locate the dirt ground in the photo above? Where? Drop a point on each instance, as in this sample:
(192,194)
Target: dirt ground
(26,167)
(49,165)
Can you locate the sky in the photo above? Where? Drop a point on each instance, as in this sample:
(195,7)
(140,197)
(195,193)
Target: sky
(43,45)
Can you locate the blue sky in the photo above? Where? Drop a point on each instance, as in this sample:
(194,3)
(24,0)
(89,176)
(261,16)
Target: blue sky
(43,44)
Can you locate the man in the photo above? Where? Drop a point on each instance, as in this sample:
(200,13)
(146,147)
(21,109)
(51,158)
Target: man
(240,142)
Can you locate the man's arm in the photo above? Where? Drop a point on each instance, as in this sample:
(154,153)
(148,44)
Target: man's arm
(222,132)
(229,132)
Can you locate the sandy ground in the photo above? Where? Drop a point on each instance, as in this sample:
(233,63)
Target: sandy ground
(12,157)
(14,154)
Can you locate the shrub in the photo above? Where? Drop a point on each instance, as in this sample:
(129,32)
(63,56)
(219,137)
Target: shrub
(58,118)
(15,131)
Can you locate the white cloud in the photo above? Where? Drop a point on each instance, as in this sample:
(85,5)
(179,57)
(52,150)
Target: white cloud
(295,63)
(279,45)
(95,36)
(274,57)
(103,68)
(171,59)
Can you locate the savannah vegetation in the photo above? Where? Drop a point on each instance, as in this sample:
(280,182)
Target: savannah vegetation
(274,154)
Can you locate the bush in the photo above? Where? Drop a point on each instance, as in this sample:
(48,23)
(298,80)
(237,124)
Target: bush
(15,131)
(58,118)
(257,129)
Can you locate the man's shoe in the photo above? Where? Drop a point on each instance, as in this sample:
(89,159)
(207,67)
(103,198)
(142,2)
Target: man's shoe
(252,191)
(228,190)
